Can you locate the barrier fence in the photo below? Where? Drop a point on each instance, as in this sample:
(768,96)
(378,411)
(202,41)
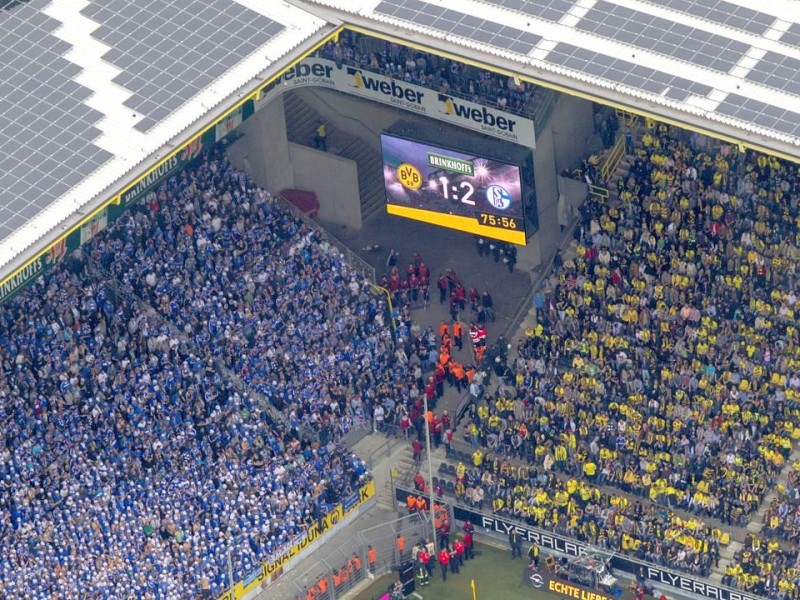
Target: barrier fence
(499,526)
(263,575)
(371,553)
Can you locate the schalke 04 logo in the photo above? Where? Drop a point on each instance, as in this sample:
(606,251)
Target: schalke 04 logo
(498,197)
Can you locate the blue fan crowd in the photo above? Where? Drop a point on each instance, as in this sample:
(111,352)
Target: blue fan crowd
(129,465)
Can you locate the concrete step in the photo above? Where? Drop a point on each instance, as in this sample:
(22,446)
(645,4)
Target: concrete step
(716,577)
(728,552)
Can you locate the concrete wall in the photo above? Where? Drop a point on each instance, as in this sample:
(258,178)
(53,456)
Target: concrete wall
(573,128)
(572,193)
(361,118)
(544,242)
(263,152)
(333,179)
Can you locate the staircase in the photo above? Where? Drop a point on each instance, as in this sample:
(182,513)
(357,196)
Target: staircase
(301,125)
(402,465)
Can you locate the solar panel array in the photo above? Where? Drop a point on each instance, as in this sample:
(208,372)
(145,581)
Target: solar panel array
(670,38)
(760,113)
(626,73)
(777,71)
(461,24)
(169,50)
(711,35)
(46,129)
(549,10)
(722,12)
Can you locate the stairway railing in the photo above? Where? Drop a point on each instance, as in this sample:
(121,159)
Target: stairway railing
(358,264)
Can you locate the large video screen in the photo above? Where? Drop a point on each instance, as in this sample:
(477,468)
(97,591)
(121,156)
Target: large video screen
(453,189)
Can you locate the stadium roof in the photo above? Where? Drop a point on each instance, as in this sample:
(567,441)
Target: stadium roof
(93,94)
(729,66)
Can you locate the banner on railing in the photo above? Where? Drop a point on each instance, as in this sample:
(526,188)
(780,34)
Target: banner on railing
(321,72)
(554,543)
(272,567)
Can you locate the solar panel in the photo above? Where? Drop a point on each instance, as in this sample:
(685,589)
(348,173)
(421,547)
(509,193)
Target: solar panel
(549,10)
(792,35)
(722,12)
(460,24)
(41,114)
(760,113)
(777,71)
(625,72)
(188,42)
(663,36)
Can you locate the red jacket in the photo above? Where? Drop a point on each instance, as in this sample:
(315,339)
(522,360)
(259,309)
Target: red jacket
(467,540)
(444,557)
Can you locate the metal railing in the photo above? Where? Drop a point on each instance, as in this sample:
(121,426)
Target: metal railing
(598,192)
(369,554)
(380,291)
(358,264)
(628,121)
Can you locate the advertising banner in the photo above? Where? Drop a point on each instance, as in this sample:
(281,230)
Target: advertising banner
(321,72)
(553,543)
(228,124)
(275,564)
(94,226)
(541,580)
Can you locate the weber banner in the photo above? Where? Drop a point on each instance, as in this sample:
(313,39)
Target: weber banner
(321,72)
(551,543)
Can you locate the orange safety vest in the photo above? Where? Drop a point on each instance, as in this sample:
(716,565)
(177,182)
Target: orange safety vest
(458,371)
(356,562)
(443,330)
(401,543)
(372,557)
(457,330)
(322,584)
(421,504)
(411,501)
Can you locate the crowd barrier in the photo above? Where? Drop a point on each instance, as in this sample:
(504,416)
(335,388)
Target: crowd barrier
(274,566)
(553,543)
(349,561)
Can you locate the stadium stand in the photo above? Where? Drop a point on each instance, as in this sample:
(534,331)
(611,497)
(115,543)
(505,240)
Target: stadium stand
(130,466)
(429,70)
(577,509)
(663,362)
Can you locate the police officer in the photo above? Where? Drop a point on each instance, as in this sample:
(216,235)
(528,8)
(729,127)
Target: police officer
(515,541)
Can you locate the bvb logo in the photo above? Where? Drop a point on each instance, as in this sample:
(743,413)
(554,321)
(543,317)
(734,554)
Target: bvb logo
(409,176)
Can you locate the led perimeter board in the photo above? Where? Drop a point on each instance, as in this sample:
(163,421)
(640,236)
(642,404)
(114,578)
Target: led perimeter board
(454,189)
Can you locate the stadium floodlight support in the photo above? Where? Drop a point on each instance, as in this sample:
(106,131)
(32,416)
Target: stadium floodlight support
(230,571)
(432,506)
